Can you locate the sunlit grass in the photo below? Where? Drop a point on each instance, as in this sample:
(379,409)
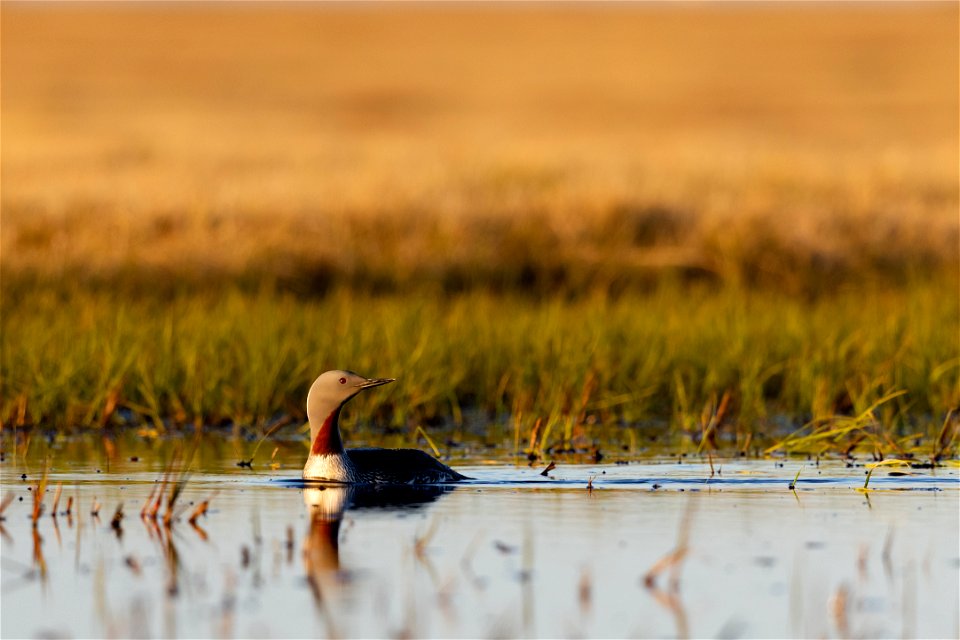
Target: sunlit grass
(882,361)
(593,233)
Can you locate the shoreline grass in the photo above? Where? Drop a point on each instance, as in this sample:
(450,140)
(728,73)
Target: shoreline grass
(83,360)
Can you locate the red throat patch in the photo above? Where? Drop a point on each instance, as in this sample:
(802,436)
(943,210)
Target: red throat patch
(328,438)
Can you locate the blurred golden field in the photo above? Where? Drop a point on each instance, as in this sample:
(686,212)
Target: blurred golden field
(546,146)
(723,217)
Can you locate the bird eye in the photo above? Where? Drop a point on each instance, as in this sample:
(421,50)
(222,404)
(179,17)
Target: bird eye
(343,381)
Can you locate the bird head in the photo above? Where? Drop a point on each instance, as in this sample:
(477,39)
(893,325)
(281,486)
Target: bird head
(333,388)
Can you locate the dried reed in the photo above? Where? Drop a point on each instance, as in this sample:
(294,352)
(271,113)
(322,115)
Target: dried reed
(5,502)
(38,494)
(56,500)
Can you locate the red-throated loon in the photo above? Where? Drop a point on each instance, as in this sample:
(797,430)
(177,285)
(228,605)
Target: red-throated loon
(328,459)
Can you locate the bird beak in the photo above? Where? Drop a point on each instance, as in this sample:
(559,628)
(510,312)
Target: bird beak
(374,382)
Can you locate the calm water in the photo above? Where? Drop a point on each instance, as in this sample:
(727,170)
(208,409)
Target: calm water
(509,554)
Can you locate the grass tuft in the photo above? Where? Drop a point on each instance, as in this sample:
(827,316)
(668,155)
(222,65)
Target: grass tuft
(793,483)
(885,463)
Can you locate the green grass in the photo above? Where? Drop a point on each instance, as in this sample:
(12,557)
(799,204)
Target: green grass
(593,366)
(539,235)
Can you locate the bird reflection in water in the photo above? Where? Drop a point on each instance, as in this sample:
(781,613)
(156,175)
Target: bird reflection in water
(326,505)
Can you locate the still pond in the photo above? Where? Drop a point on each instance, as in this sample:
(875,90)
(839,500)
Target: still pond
(656,548)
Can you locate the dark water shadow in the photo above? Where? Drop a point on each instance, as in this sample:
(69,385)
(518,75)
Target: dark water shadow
(366,496)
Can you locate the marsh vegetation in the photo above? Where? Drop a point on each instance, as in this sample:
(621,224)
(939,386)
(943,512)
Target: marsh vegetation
(675,284)
(566,238)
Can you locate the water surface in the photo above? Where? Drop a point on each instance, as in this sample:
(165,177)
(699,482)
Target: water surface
(511,553)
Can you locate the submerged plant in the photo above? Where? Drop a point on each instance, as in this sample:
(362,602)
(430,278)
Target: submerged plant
(885,463)
(4,503)
(793,483)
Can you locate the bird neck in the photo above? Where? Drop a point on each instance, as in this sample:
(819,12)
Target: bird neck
(325,437)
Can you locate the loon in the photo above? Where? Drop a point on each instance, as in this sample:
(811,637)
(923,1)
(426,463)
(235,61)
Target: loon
(330,462)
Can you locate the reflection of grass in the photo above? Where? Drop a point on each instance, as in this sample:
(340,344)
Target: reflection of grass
(579,365)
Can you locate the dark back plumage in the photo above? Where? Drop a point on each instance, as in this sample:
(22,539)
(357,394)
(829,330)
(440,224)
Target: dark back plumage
(400,466)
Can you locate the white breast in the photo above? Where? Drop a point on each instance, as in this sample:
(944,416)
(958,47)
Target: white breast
(334,467)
